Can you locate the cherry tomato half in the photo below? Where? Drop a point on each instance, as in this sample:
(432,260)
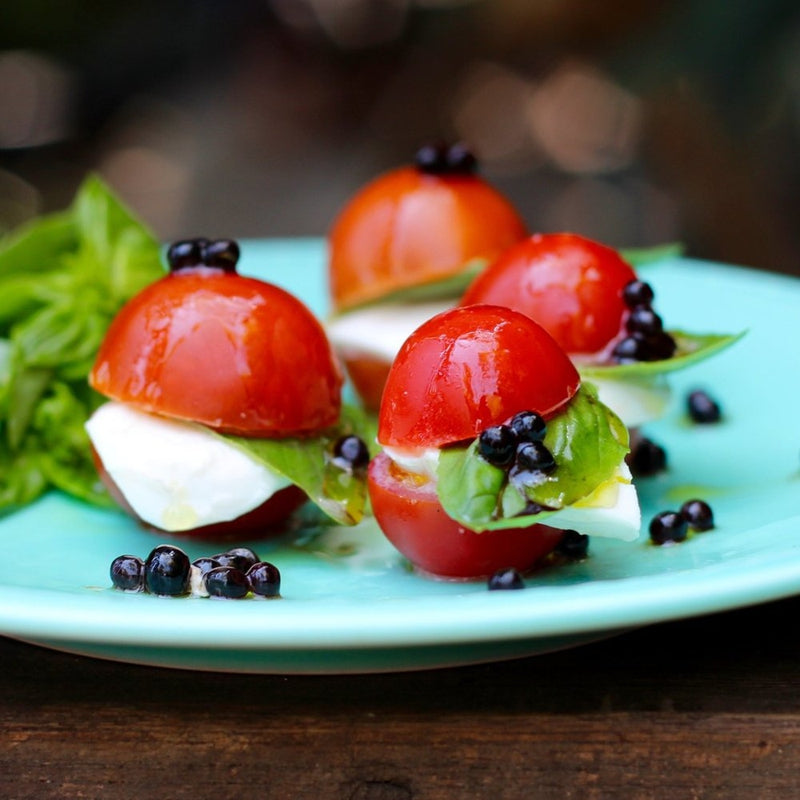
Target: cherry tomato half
(469,368)
(412,519)
(408,227)
(233,353)
(570,285)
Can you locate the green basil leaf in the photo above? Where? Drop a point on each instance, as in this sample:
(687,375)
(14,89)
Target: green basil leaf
(37,245)
(692,348)
(65,453)
(588,442)
(639,256)
(449,287)
(308,463)
(62,279)
(21,479)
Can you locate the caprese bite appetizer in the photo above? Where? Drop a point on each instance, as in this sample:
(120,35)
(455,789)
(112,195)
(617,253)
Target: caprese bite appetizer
(405,247)
(491,448)
(595,306)
(224,410)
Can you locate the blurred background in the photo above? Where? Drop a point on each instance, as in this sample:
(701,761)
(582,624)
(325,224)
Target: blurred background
(635,122)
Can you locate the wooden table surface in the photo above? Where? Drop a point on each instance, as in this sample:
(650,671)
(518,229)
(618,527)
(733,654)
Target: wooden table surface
(702,708)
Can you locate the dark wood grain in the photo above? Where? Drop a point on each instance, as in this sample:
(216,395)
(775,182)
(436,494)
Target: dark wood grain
(705,708)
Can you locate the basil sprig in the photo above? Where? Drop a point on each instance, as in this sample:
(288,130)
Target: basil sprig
(308,462)
(63,277)
(691,348)
(588,442)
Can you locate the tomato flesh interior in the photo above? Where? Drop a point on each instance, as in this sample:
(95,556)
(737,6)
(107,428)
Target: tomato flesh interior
(412,518)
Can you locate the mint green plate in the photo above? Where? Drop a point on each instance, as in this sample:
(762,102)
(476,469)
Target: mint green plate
(349,602)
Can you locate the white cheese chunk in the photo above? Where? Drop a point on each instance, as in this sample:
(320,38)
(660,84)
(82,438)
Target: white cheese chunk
(419,460)
(177,475)
(380,330)
(611,510)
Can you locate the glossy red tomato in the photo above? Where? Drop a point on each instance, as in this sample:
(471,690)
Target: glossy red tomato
(570,285)
(409,227)
(412,519)
(467,369)
(230,352)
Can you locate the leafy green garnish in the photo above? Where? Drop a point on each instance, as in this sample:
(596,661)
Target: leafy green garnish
(691,348)
(639,256)
(63,277)
(450,287)
(588,442)
(308,462)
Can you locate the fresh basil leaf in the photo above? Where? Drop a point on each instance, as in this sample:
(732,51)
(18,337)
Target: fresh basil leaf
(639,256)
(449,287)
(588,442)
(21,479)
(691,348)
(62,279)
(36,245)
(65,452)
(308,463)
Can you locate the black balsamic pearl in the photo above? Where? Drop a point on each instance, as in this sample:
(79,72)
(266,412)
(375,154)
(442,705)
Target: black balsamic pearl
(498,445)
(265,579)
(647,458)
(431,158)
(460,159)
(127,573)
(205,563)
(698,515)
(506,579)
(630,349)
(240,560)
(703,408)
(573,546)
(637,293)
(185,253)
(247,553)
(528,426)
(644,320)
(167,570)
(661,346)
(535,457)
(222,254)
(667,527)
(227,582)
(351,451)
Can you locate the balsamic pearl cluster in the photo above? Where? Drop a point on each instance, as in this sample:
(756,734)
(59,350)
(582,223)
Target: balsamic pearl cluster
(217,253)
(167,572)
(646,339)
(518,448)
(669,527)
(443,159)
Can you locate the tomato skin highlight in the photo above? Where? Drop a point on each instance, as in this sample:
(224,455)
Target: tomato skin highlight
(408,228)
(412,519)
(469,368)
(233,353)
(569,284)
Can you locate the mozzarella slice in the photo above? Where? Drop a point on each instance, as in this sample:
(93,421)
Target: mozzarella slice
(177,475)
(610,511)
(380,330)
(420,461)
